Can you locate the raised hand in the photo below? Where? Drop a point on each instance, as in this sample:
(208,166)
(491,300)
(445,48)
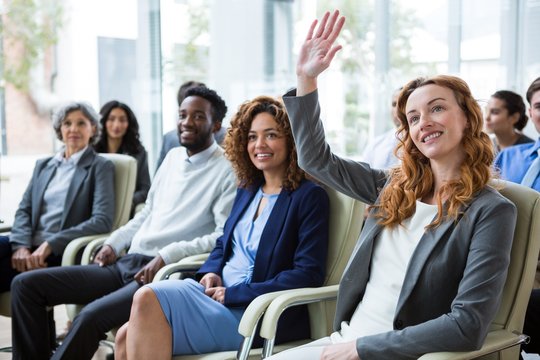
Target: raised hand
(317,51)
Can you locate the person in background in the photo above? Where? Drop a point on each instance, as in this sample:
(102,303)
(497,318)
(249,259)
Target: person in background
(188,203)
(505,118)
(521,164)
(276,238)
(379,153)
(434,225)
(121,136)
(69,195)
(170,139)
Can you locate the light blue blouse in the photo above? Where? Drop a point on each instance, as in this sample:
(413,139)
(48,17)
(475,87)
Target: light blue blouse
(246,236)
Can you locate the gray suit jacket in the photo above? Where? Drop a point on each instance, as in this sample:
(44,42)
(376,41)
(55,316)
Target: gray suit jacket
(89,207)
(454,280)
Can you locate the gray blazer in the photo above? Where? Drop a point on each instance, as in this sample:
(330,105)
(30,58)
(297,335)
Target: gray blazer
(454,280)
(89,207)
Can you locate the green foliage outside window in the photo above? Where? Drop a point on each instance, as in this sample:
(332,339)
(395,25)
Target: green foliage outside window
(357,60)
(31,28)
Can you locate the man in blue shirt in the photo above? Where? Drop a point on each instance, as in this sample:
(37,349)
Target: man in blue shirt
(521,164)
(515,162)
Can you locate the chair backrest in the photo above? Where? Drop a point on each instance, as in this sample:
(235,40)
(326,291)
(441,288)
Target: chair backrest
(125,177)
(524,257)
(346,219)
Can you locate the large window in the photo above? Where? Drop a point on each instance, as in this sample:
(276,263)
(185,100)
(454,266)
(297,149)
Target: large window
(141,51)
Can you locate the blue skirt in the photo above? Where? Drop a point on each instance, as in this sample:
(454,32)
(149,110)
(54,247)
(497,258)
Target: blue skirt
(198,323)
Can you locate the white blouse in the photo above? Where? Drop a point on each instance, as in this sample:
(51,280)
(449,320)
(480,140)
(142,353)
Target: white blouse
(393,249)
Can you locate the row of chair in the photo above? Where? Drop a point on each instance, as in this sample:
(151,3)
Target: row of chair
(345,225)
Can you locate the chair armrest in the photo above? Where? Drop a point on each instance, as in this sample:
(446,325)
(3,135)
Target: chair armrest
(4,228)
(195,259)
(255,310)
(91,248)
(495,341)
(189,263)
(75,245)
(291,298)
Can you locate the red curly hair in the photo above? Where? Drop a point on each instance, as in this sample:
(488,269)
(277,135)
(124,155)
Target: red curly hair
(414,178)
(236,141)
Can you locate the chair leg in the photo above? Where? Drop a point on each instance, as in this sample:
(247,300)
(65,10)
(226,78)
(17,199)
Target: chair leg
(268,348)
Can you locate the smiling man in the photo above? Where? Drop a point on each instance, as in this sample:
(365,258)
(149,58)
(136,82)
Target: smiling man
(185,212)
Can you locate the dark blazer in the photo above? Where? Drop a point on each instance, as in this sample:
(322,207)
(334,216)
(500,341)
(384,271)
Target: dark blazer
(455,277)
(292,251)
(89,207)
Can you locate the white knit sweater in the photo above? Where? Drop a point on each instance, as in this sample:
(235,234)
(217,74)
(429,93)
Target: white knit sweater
(186,209)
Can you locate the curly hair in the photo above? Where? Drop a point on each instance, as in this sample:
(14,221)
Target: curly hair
(236,141)
(514,104)
(87,110)
(131,143)
(414,178)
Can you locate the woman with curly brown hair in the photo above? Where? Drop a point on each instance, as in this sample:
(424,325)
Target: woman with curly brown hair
(275,239)
(429,268)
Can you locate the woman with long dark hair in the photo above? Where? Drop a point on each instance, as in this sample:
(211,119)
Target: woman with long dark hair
(274,239)
(121,136)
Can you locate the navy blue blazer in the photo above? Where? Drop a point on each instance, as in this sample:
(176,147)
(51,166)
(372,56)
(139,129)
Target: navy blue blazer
(292,251)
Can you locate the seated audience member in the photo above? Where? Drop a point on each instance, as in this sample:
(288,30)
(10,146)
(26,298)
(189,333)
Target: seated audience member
(188,203)
(429,268)
(505,118)
(70,195)
(521,164)
(275,239)
(379,153)
(170,139)
(121,136)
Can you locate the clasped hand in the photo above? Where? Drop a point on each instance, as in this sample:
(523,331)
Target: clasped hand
(23,259)
(213,287)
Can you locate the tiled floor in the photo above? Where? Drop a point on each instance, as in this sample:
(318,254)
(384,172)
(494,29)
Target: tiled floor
(60,318)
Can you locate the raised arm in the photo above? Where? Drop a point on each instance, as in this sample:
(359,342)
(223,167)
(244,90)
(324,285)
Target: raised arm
(317,51)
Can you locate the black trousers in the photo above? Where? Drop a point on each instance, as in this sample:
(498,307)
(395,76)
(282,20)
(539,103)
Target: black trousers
(107,291)
(532,323)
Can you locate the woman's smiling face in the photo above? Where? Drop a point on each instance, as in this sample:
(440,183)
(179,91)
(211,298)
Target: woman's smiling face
(436,124)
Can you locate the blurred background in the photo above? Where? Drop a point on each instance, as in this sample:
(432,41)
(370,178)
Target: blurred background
(140,51)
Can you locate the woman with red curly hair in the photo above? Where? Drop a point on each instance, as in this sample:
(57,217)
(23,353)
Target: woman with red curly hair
(274,239)
(429,268)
